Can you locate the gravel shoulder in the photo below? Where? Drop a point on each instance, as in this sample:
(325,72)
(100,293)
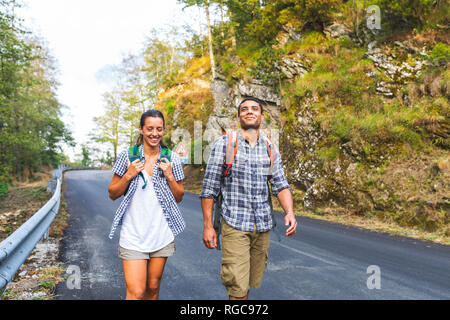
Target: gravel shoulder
(37,278)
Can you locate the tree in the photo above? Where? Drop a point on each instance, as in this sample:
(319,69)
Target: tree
(85,156)
(107,125)
(141,77)
(206,5)
(406,14)
(31,132)
(161,61)
(242,13)
(262,20)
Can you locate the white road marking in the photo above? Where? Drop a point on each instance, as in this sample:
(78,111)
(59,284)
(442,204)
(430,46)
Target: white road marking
(303,253)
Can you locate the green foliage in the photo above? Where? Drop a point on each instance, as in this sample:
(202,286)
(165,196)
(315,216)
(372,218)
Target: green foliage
(162,59)
(170,106)
(107,125)
(265,67)
(86,158)
(338,74)
(347,107)
(440,53)
(143,78)
(31,132)
(313,39)
(262,22)
(46,285)
(190,3)
(328,154)
(243,14)
(405,14)
(196,46)
(3,189)
(303,12)
(226,67)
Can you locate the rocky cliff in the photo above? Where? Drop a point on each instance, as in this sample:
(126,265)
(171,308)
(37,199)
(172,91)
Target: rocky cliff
(362,125)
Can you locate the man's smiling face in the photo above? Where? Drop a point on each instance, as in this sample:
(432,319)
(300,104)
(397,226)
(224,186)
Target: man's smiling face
(250,115)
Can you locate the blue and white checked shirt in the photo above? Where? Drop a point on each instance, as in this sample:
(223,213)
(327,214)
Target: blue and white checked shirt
(246,194)
(165,197)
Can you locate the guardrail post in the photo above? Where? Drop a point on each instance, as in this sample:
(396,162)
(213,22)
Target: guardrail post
(51,186)
(46,234)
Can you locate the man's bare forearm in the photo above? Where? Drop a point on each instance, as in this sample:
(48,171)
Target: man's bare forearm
(207,208)
(286,201)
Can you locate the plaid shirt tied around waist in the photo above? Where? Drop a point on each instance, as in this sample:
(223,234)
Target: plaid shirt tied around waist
(165,197)
(245,192)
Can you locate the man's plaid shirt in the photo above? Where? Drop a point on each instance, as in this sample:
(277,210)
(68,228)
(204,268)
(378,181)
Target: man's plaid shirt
(165,197)
(245,192)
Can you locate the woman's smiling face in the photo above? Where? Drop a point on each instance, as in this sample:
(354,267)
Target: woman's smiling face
(152,131)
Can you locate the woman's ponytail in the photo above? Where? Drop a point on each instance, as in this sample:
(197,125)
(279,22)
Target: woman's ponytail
(140,140)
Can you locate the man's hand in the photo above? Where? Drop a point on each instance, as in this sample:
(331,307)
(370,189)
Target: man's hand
(210,237)
(285,198)
(289,219)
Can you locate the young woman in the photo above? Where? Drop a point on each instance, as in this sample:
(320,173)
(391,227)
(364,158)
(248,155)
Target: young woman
(148,213)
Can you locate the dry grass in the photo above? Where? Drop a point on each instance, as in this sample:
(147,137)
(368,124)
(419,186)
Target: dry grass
(193,179)
(22,201)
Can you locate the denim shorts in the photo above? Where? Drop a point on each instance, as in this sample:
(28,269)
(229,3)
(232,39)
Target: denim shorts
(128,254)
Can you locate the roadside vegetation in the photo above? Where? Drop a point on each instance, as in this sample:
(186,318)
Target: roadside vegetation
(31,129)
(37,278)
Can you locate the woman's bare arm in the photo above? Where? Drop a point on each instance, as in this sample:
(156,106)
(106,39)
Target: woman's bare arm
(119,184)
(177,188)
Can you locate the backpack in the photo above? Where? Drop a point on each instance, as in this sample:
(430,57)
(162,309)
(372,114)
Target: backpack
(134,154)
(226,171)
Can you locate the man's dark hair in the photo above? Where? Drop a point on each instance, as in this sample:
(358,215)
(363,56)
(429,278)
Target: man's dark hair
(259,102)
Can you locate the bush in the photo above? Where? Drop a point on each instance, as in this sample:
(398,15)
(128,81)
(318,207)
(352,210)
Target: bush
(170,106)
(440,53)
(266,65)
(3,189)
(258,22)
(405,14)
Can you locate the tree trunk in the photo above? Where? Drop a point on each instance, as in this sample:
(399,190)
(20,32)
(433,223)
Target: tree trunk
(221,21)
(200,29)
(172,55)
(211,53)
(233,35)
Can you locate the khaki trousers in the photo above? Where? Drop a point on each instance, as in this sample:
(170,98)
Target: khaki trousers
(244,259)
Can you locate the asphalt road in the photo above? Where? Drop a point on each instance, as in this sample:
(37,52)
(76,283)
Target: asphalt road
(322,261)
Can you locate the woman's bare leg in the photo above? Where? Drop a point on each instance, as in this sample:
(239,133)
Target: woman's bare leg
(135,274)
(154,275)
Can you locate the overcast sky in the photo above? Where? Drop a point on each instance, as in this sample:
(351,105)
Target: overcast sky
(86,36)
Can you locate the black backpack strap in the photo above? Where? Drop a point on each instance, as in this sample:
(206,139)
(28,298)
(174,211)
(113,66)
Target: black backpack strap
(230,153)
(272,154)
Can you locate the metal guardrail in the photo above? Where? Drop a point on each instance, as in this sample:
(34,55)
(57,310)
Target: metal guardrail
(15,249)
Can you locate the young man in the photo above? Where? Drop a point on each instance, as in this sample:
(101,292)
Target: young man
(246,210)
